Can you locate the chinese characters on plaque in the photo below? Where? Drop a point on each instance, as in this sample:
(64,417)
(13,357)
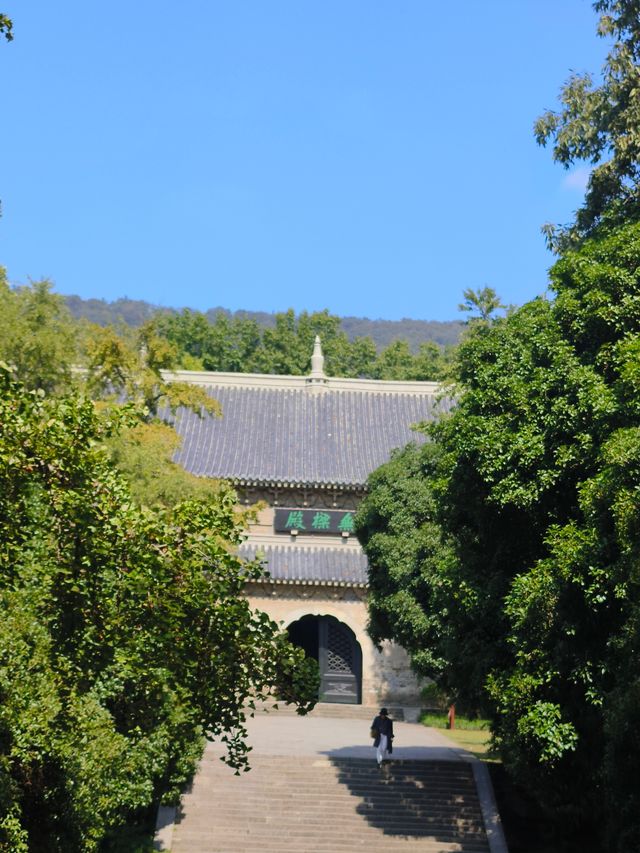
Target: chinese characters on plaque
(313,521)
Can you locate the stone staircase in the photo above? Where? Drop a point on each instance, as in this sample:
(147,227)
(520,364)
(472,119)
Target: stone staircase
(317,804)
(331,709)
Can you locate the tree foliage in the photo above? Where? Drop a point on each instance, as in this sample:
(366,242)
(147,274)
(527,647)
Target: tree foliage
(117,370)
(600,124)
(6,27)
(240,344)
(397,523)
(481,304)
(37,334)
(519,590)
(44,340)
(136,312)
(143,452)
(124,634)
(40,339)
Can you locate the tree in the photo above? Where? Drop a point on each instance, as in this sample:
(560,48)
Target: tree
(397,362)
(601,125)
(37,334)
(6,27)
(129,375)
(117,370)
(226,344)
(533,533)
(40,339)
(239,344)
(397,525)
(484,302)
(124,635)
(358,360)
(564,704)
(394,362)
(286,348)
(143,452)
(431,363)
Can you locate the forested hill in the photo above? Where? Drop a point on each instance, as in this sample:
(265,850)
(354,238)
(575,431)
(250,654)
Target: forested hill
(135,312)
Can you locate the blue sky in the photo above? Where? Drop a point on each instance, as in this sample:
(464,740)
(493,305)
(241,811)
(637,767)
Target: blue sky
(373,157)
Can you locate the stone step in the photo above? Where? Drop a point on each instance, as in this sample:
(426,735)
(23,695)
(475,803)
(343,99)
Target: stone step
(332,709)
(369,790)
(465,808)
(466,819)
(242,845)
(400,830)
(447,793)
(295,800)
(460,811)
(469,822)
(353,765)
(415,829)
(281,834)
(216,843)
(333,806)
(296,815)
(390,820)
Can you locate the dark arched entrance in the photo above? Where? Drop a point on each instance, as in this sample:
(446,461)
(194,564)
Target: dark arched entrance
(333,644)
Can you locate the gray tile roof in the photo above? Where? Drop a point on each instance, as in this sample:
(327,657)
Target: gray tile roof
(310,564)
(297,437)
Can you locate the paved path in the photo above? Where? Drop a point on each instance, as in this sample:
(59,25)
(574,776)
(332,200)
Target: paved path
(281,734)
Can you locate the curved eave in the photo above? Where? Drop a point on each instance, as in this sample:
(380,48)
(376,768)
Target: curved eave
(296,484)
(299,582)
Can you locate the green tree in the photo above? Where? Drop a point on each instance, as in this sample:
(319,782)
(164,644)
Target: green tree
(226,344)
(286,348)
(397,524)
(431,363)
(394,362)
(600,124)
(119,371)
(6,27)
(358,359)
(124,635)
(37,334)
(189,331)
(335,343)
(481,303)
(239,344)
(533,482)
(131,376)
(143,452)
(46,346)
(397,362)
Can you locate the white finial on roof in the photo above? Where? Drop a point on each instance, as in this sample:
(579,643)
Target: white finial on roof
(317,363)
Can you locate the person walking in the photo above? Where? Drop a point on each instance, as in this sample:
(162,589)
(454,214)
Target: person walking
(382,733)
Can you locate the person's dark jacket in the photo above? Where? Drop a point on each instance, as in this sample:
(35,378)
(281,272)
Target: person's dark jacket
(383,726)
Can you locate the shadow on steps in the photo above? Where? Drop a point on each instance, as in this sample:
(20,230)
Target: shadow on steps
(417,799)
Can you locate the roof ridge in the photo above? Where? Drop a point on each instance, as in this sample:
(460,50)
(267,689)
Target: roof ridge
(209,378)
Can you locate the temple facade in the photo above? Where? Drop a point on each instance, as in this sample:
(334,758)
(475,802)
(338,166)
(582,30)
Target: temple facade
(304,447)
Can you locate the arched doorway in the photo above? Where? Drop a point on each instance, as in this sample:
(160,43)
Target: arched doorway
(333,644)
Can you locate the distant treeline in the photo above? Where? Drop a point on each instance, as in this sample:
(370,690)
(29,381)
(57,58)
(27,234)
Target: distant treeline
(239,344)
(281,343)
(136,312)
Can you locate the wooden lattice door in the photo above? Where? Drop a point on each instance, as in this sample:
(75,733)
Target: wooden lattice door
(340,660)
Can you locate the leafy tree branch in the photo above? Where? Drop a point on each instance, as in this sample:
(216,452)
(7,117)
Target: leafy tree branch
(600,125)
(6,27)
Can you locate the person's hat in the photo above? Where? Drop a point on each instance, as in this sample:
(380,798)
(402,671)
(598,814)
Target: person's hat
(384,712)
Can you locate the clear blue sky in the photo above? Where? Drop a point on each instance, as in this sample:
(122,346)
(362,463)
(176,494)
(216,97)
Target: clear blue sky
(373,157)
